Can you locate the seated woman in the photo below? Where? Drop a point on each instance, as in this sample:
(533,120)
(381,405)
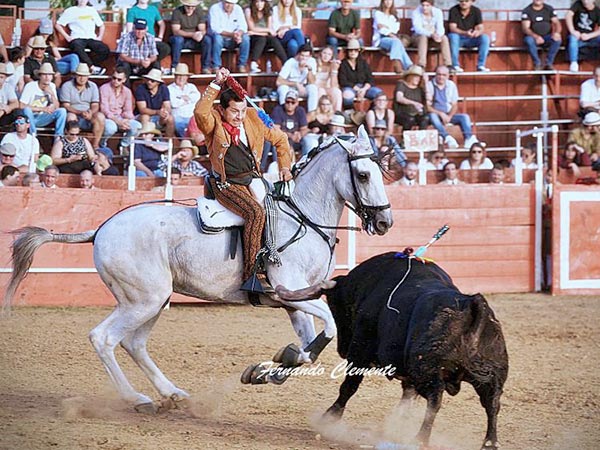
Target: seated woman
(287,24)
(72,153)
(318,124)
(380,111)
(527,158)
(436,160)
(355,77)
(382,143)
(477,158)
(260,28)
(410,100)
(386,27)
(326,77)
(573,157)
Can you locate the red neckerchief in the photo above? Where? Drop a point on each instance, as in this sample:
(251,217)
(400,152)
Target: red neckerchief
(234,132)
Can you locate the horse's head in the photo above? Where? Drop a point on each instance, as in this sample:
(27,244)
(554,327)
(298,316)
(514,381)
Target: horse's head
(364,189)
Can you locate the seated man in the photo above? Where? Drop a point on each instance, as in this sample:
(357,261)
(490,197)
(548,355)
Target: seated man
(147,157)
(343,25)
(442,104)
(86,179)
(150,13)
(82,21)
(409,177)
(291,119)
(8,98)
(188,27)
(541,27)
(116,103)
(7,155)
(9,176)
(466,30)
(27,146)
(229,30)
(589,98)
(298,74)
(184,97)
(583,23)
(588,136)
(81,99)
(50,176)
(153,102)
(38,57)
(137,51)
(39,102)
(497,174)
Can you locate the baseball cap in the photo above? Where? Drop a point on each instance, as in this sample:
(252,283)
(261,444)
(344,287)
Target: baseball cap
(292,94)
(106,152)
(43,162)
(140,24)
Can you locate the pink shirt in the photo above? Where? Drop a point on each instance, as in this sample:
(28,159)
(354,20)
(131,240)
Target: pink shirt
(116,106)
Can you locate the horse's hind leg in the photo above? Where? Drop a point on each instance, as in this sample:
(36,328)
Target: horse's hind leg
(107,335)
(135,344)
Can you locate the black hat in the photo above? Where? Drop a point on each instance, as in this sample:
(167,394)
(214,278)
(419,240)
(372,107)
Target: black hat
(140,24)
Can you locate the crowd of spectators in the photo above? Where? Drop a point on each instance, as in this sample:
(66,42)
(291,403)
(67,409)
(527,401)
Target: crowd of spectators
(335,85)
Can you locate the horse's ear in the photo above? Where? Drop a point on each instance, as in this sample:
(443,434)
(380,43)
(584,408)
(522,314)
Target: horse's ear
(362,134)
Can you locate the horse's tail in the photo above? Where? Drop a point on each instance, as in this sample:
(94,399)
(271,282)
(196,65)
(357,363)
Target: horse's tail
(28,240)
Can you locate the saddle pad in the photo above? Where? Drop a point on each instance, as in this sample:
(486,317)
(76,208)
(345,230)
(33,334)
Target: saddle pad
(215,216)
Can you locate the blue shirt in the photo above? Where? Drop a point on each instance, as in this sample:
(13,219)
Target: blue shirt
(142,94)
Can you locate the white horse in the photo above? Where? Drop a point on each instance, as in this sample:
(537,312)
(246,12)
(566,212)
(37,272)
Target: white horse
(144,254)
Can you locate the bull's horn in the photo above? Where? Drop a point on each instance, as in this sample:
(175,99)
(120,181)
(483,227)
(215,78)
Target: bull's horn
(308,293)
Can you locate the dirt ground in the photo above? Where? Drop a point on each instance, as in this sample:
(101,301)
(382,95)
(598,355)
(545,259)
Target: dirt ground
(54,393)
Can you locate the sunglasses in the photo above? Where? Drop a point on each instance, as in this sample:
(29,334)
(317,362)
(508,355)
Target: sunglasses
(476,151)
(118,79)
(20,122)
(291,102)
(72,134)
(7,156)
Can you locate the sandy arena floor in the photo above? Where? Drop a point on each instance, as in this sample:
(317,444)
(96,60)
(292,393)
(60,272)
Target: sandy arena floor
(54,393)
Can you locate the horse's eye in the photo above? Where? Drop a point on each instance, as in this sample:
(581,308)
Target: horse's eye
(363,177)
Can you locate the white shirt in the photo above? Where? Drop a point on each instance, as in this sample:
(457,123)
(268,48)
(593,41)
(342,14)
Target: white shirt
(26,148)
(590,93)
(425,27)
(180,107)
(390,26)
(82,21)
(486,164)
(7,94)
(531,165)
(278,23)
(220,21)
(17,73)
(32,95)
(291,70)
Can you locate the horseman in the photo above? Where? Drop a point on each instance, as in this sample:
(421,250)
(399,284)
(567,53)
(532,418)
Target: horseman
(235,136)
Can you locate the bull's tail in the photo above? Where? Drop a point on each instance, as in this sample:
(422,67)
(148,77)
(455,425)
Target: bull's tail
(28,240)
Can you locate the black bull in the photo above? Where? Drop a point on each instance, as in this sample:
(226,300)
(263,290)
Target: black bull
(432,334)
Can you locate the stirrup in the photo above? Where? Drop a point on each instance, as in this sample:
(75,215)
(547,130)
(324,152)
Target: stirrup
(257,285)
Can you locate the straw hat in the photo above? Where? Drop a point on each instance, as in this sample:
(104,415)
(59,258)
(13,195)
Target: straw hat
(149,128)
(8,149)
(414,70)
(4,70)
(182,69)
(46,69)
(186,143)
(83,70)
(353,44)
(38,42)
(190,2)
(591,119)
(231,1)
(154,74)
(338,120)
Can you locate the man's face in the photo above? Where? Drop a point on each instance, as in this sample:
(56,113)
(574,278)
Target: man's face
(11,180)
(38,53)
(152,84)
(303,57)
(290,105)
(21,125)
(464,4)
(538,3)
(235,113)
(181,80)
(496,176)
(185,154)
(50,177)
(86,180)
(45,79)
(441,75)
(81,80)
(426,7)
(140,34)
(346,4)
(7,160)
(410,171)
(189,10)
(228,7)
(118,79)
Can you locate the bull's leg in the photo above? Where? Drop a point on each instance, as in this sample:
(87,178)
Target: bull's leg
(434,402)
(489,396)
(347,390)
(135,345)
(408,395)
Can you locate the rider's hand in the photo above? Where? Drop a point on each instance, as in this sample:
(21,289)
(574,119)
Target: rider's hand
(285,174)
(222,75)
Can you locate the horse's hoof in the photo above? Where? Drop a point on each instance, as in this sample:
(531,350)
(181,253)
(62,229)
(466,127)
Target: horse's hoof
(174,402)
(278,378)
(254,374)
(490,445)
(147,408)
(288,356)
